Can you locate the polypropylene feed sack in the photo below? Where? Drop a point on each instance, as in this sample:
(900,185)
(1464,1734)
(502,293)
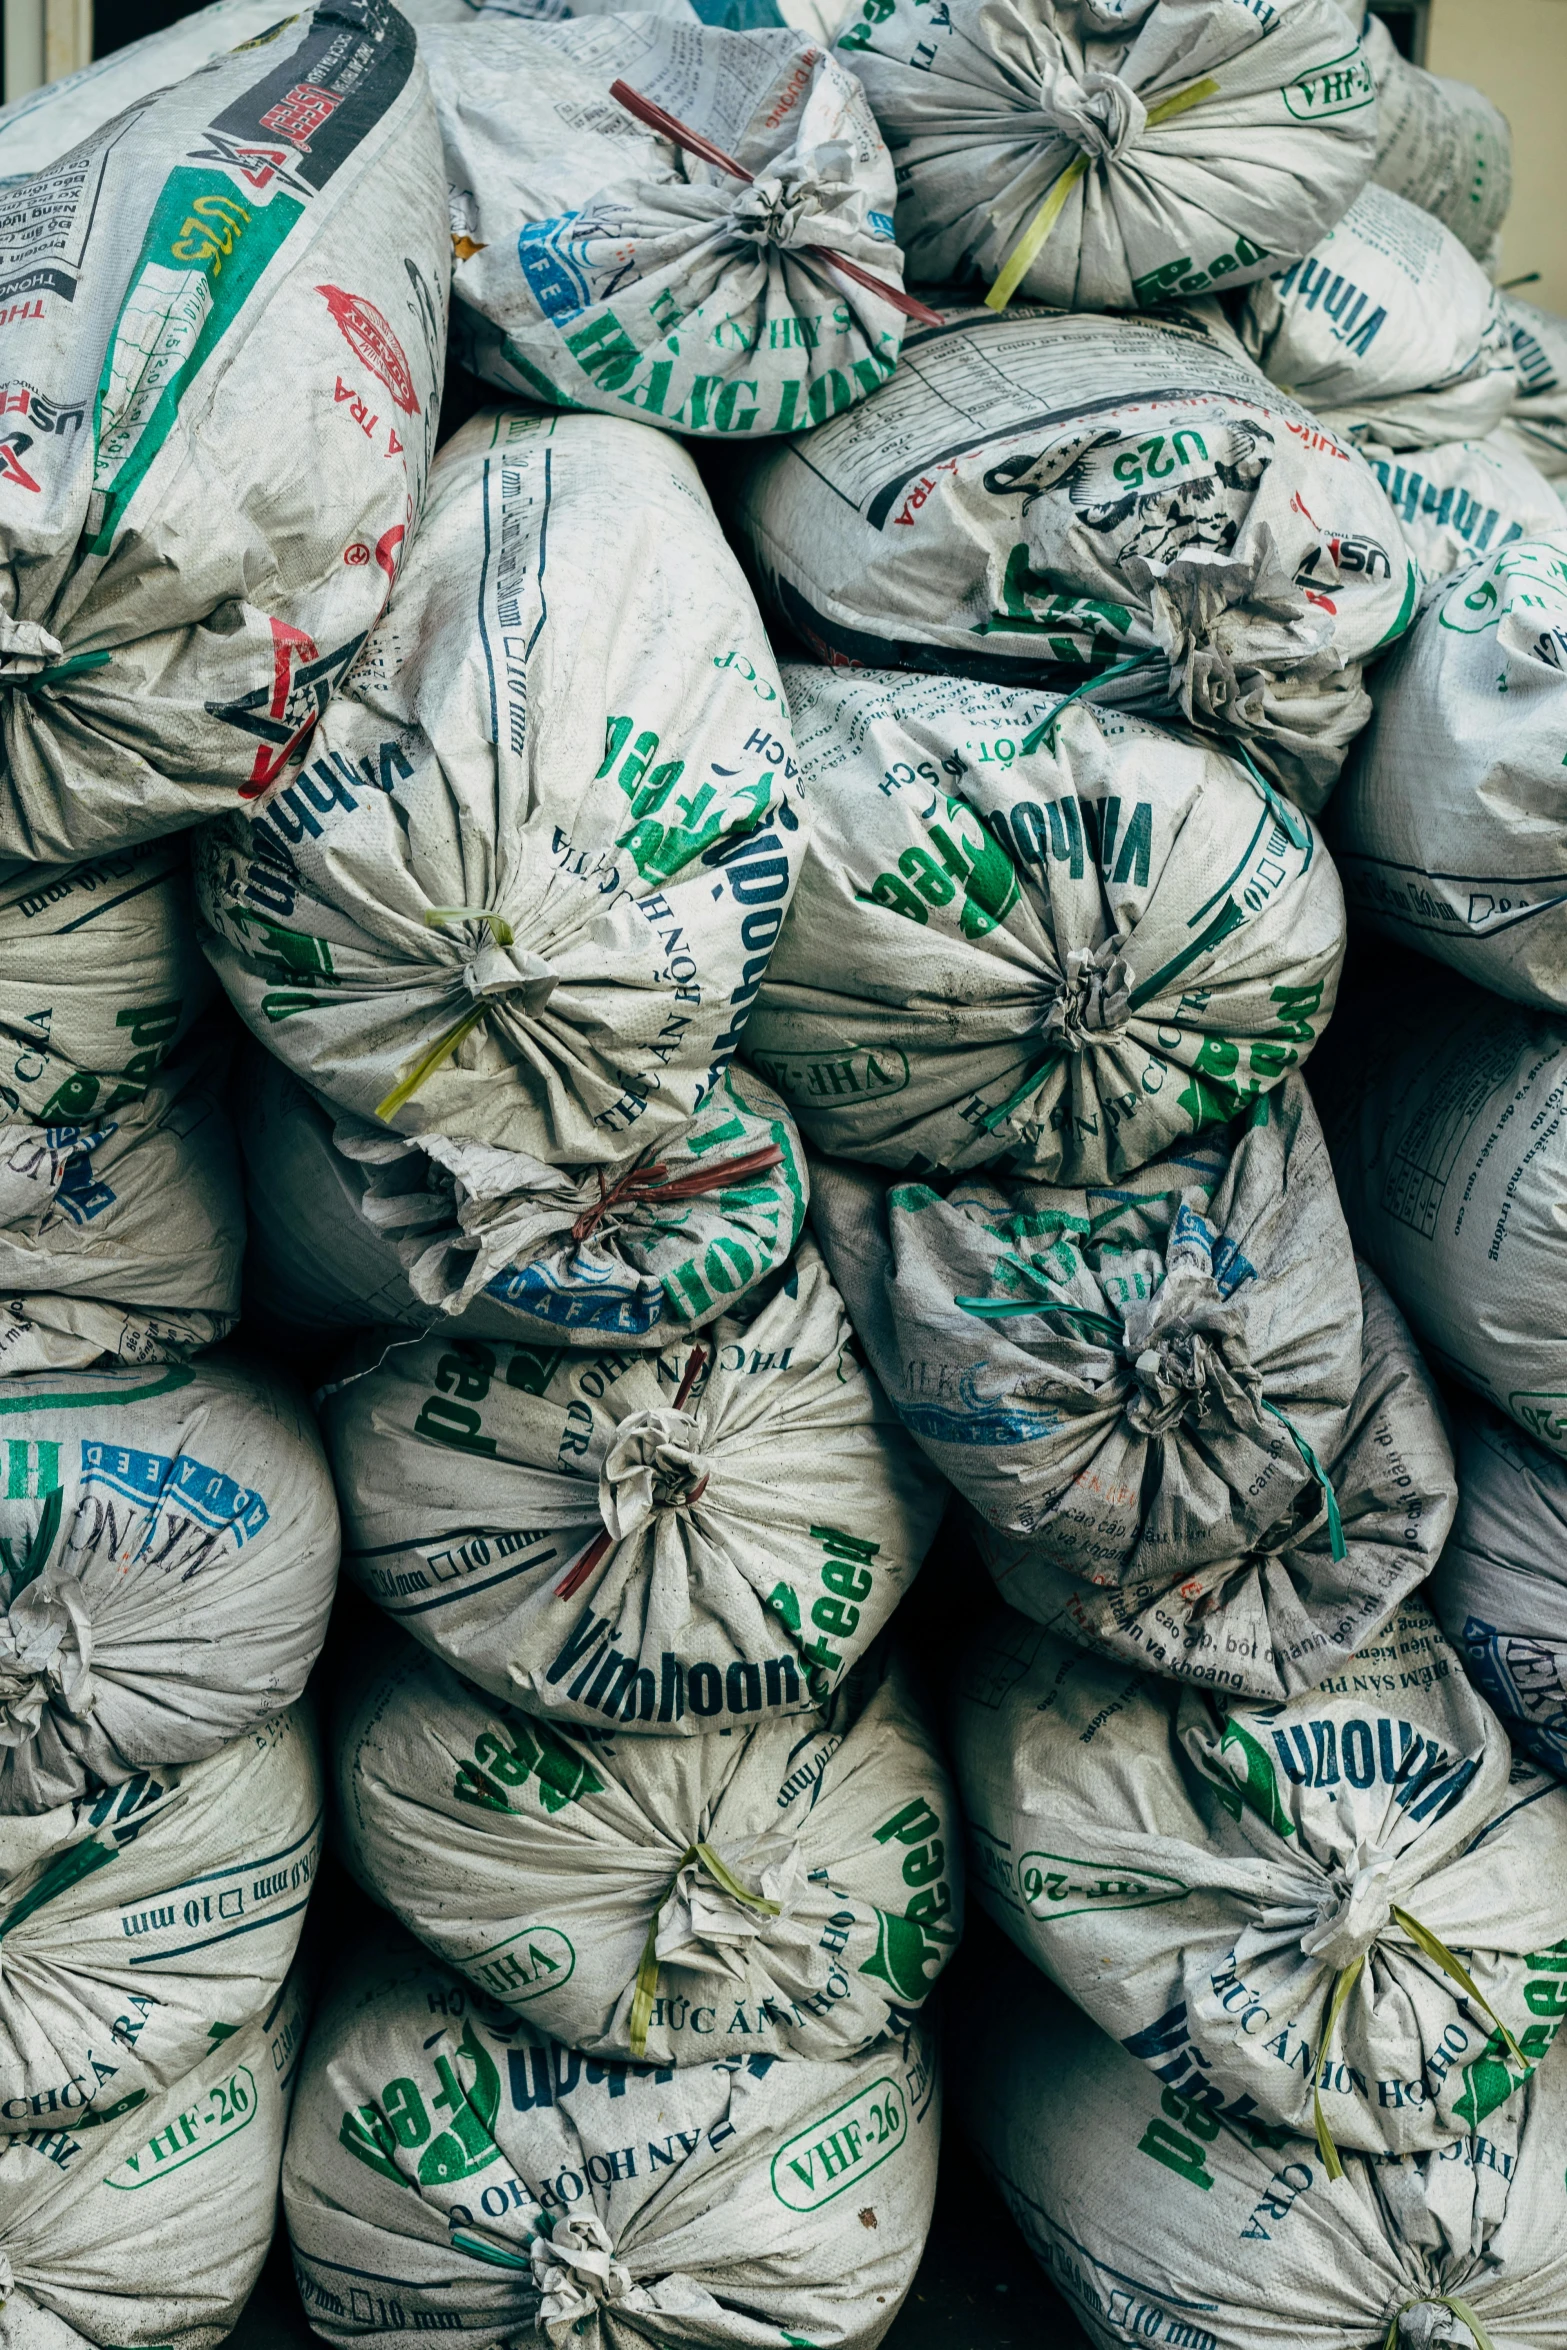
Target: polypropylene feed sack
(168,1552)
(1465,498)
(1440,143)
(145,1922)
(525,888)
(673,1542)
(604,263)
(1500,1586)
(1388,330)
(351,1225)
(221,412)
(1147,2210)
(1332,1916)
(1444,1113)
(1450,829)
(449,2168)
(1103,157)
(1058,947)
(1188,1435)
(1044,499)
(121,1233)
(1538,422)
(150,2233)
(791,1890)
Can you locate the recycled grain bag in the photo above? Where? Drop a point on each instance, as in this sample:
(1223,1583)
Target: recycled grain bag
(145,1922)
(510,2189)
(674,1542)
(619,1893)
(1538,422)
(1500,1587)
(1450,829)
(195,551)
(1387,329)
(1465,499)
(1237,1893)
(151,2233)
(1440,143)
(1146,2211)
(168,1551)
(1161,149)
(1444,1113)
(489,908)
(121,1235)
(351,1225)
(600,264)
(1146,1393)
(1042,499)
(1057,947)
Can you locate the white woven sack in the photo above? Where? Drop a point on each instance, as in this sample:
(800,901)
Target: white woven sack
(1279,1903)
(791,1890)
(449,2169)
(1105,157)
(121,1235)
(1159,2223)
(1467,498)
(1499,1586)
(142,1916)
(1440,143)
(198,549)
(351,1225)
(168,1551)
(150,2233)
(524,891)
(1042,499)
(1056,948)
(1388,330)
(1444,1117)
(1450,830)
(1538,423)
(1147,1394)
(602,263)
(673,1542)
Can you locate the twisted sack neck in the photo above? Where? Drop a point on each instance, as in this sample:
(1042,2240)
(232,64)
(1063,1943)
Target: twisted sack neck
(1098,112)
(1093,1000)
(1443,2322)
(577,2276)
(45,1658)
(1354,1909)
(1226,623)
(654,1464)
(785,207)
(1186,1350)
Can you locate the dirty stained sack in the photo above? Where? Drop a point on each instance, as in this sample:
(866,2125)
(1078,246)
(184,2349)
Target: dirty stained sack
(672,1542)
(524,889)
(600,264)
(1053,947)
(790,1890)
(1466,498)
(1441,144)
(1172,147)
(1142,1391)
(519,2191)
(1271,1864)
(1538,421)
(140,1917)
(1499,1586)
(223,426)
(1443,1108)
(1142,2205)
(134,2244)
(121,1234)
(1388,330)
(1042,499)
(466,1238)
(168,1551)
(1450,829)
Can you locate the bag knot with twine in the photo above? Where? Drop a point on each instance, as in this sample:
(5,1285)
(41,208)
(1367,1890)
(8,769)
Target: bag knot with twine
(577,2276)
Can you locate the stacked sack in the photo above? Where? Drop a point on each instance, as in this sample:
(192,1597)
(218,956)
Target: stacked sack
(189,569)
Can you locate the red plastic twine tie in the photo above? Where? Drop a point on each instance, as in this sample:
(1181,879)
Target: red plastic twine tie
(669,126)
(574,1577)
(653,1185)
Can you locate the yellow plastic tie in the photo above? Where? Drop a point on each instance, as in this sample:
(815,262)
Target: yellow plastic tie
(1461,2310)
(409,1083)
(1348,1977)
(501,930)
(647,1967)
(1425,1940)
(1022,256)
